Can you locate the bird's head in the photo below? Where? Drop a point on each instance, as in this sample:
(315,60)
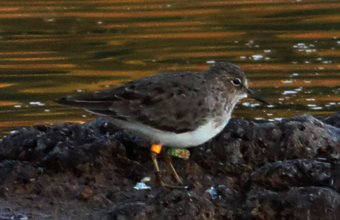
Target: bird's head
(236,80)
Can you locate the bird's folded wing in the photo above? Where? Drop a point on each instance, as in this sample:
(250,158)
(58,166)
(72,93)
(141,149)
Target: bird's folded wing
(162,102)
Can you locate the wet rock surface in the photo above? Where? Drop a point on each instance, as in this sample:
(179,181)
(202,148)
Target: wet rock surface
(253,170)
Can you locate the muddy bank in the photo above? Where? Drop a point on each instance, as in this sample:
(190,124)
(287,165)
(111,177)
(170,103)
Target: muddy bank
(252,170)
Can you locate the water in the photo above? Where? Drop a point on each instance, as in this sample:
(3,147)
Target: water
(48,49)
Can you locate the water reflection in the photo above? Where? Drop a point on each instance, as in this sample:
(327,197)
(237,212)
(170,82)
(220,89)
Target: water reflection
(289,49)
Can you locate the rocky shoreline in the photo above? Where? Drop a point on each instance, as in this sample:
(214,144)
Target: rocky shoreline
(253,170)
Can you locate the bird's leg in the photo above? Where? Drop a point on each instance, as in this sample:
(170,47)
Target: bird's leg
(155,150)
(168,160)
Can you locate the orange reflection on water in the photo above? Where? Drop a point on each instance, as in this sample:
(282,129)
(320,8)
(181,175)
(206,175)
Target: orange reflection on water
(102,15)
(9,9)
(154,24)
(5,85)
(192,35)
(297,83)
(333,53)
(323,19)
(214,54)
(139,14)
(31,59)
(113,73)
(310,35)
(25,123)
(8,103)
(24,53)
(289,67)
(329,98)
(270,8)
(17,66)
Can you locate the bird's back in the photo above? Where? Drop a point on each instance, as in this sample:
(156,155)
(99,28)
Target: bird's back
(172,102)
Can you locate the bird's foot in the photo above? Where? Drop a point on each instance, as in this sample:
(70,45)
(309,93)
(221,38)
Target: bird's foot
(169,186)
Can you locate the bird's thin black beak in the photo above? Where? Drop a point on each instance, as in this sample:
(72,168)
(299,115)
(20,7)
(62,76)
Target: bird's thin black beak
(255,95)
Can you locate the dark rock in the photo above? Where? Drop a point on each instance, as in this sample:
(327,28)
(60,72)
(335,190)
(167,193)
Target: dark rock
(17,145)
(14,216)
(333,120)
(245,145)
(12,171)
(296,203)
(286,169)
(125,211)
(281,175)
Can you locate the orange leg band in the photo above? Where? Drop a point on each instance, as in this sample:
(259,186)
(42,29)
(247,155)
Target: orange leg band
(156,148)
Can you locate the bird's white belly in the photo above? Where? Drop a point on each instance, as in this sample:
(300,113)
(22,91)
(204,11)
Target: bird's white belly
(187,139)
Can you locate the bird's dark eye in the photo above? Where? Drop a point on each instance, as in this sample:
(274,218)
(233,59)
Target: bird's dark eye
(236,82)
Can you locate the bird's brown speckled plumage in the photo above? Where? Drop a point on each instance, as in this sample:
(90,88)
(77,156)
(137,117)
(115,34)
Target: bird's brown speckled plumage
(176,102)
